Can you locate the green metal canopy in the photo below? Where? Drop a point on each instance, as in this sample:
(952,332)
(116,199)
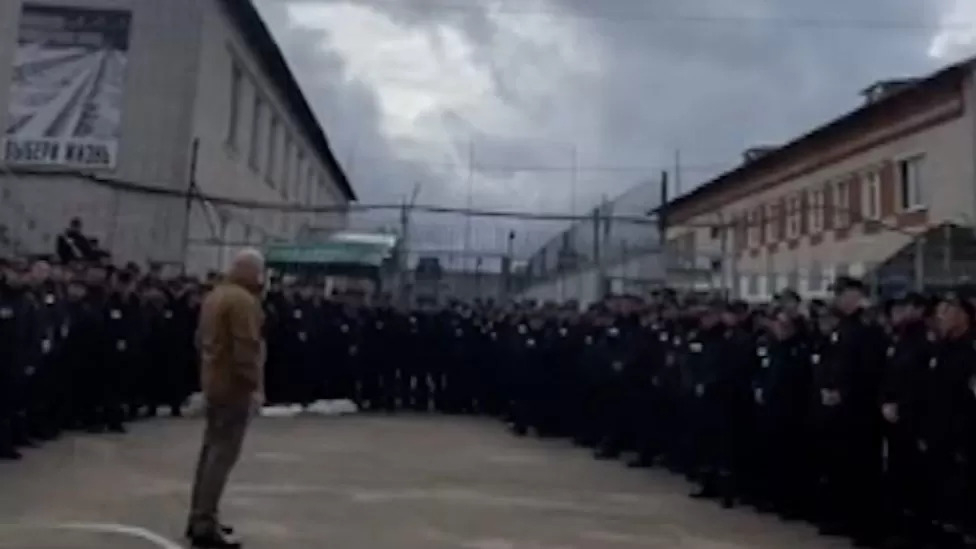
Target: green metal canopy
(341,248)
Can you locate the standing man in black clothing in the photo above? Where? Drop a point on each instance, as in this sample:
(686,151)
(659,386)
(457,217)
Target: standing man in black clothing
(160,349)
(46,386)
(706,368)
(781,389)
(738,432)
(14,324)
(945,418)
(846,381)
(84,352)
(121,370)
(907,362)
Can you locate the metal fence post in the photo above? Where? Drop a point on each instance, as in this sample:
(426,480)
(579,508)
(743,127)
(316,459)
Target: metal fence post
(920,263)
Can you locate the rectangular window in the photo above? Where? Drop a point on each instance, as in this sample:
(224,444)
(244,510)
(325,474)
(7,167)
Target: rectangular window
(910,189)
(310,184)
(753,284)
(816,210)
(298,191)
(871,196)
(286,167)
(752,228)
(316,183)
(793,220)
(256,115)
(816,280)
(772,222)
(842,204)
(271,164)
(793,280)
(235,105)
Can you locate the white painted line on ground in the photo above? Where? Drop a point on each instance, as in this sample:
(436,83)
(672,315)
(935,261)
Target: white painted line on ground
(120,529)
(100,528)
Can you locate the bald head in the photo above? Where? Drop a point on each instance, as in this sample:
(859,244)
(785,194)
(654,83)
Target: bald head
(247,268)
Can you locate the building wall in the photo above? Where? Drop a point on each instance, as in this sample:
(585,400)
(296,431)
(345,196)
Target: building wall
(940,132)
(153,148)
(178,89)
(243,164)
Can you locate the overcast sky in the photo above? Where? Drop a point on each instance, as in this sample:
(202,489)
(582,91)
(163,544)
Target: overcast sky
(498,99)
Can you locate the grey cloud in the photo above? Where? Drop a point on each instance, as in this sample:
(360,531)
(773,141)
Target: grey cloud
(349,110)
(710,88)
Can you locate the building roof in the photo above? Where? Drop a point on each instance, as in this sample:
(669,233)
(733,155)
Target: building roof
(269,55)
(342,248)
(868,110)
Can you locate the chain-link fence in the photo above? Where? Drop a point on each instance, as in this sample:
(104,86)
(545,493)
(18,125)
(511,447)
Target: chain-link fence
(935,259)
(489,254)
(615,248)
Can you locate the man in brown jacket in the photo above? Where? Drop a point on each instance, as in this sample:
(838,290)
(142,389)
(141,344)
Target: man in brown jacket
(232,353)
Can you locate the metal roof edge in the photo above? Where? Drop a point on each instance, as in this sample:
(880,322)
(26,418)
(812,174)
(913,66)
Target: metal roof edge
(266,49)
(742,169)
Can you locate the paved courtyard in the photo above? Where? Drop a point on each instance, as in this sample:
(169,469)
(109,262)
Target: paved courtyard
(366,483)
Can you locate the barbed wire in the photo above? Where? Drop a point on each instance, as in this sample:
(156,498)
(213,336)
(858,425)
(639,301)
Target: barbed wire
(675,18)
(295,207)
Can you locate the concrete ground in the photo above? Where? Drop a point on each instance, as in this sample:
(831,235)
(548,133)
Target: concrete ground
(406,482)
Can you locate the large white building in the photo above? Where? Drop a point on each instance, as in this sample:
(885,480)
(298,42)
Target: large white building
(886,191)
(101,98)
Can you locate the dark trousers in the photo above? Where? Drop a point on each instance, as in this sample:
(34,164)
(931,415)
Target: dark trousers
(944,484)
(222,441)
(852,466)
(782,470)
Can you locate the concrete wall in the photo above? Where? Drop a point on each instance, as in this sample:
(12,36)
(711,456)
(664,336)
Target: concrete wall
(225,167)
(154,143)
(177,90)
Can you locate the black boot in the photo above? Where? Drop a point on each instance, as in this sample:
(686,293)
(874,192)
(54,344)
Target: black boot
(709,488)
(225,529)
(10,453)
(643,460)
(214,540)
(607,451)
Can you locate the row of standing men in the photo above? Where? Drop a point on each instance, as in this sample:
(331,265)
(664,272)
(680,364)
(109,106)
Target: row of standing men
(859,419)
(852,420)
(90,348)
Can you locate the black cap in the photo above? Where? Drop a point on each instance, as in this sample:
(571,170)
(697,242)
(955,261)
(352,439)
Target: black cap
(738,307)
(844,283)
(913,299)
(962,301)
(788,293)
(716,304)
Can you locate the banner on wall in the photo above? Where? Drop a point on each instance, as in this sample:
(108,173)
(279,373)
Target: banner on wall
(67,88)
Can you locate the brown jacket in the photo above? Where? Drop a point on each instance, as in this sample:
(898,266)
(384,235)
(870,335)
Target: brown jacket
(231,344)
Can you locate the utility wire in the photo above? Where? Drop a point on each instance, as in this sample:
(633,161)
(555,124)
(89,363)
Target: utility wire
(638,15)
(501,167)
(294,207)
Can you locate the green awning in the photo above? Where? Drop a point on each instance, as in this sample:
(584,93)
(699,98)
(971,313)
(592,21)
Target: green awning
(343,251)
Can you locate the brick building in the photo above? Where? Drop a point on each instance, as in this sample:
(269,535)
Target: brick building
(849,197)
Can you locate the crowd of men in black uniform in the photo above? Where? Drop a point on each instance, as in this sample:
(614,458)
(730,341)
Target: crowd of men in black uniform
(859,419)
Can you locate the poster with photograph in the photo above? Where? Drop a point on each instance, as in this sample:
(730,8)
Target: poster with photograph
(67,88)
